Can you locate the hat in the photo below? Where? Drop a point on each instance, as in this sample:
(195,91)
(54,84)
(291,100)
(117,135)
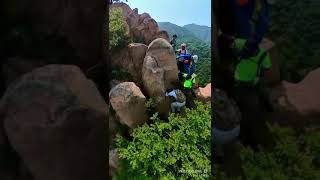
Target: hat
(195,58)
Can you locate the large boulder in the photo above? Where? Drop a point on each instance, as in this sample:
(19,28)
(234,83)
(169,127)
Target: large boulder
(164,58)
(204,94)
(129,103)
(160,72)
(55,119)
(272,77)
(302,98)
(131,59)
(153,77)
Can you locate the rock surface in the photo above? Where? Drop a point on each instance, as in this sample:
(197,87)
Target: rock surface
(55,120)
(204,94)
(164,58)
(113,161)
(131,59)
(143,28)
(302,97)
(129,103)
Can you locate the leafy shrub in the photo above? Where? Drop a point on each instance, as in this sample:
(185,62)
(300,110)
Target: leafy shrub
(118,29)
(171,149)
(151,105)
(294,157)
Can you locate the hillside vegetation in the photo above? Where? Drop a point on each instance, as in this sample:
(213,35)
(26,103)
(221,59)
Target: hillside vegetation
(202,32)
(295,29)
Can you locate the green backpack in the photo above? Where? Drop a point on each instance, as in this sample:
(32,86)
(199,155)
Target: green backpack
(180,96)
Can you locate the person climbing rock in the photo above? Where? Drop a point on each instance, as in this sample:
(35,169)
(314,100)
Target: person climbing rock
(251,65)
(252,18)
(183,49)
(189,76)
(182,55)
(178,99)
(246,19)
(189,66)
(173,41)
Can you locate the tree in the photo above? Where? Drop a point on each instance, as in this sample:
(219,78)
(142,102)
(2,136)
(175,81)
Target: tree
(118,29)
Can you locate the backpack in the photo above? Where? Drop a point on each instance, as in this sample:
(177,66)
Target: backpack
(180,96)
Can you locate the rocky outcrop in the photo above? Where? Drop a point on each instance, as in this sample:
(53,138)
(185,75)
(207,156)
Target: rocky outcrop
(131,59)
(272,77)
(159,73)
(303,97)
(143,28)
(55,120)
(204,94)
(129,103)
(163,58)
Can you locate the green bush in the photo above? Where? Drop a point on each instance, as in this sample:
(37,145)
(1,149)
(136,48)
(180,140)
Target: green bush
(295,157)
(170,149)
(151,105)
(299,41)
(118,29)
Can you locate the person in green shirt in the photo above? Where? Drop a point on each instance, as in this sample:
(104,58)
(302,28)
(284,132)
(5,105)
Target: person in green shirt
(251,64)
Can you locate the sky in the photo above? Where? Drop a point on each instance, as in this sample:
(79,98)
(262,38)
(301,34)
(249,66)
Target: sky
(175,11)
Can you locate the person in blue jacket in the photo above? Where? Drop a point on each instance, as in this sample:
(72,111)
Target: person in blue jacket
(252,18)
(190,66)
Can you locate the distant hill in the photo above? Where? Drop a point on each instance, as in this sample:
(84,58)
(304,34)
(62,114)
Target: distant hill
(182,32)
(202,32)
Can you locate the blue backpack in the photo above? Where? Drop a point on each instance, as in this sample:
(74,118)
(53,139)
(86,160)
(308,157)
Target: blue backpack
(183,57)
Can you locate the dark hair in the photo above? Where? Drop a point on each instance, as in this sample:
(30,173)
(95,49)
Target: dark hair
(175,36)
(169,90)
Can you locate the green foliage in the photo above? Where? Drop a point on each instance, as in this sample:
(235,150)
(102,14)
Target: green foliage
(123,173)
(119,73)
(294,157)
(203,70)
(118,29)
(299,40)
(151,105)
(165,149)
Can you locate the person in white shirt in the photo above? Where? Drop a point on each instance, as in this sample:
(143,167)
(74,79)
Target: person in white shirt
(179,99)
